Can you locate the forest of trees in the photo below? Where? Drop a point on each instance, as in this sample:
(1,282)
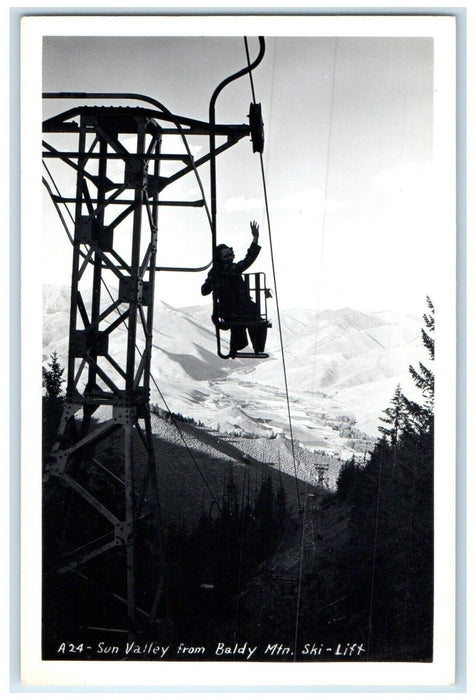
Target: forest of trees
(390,543)
(209,567)
(369,576)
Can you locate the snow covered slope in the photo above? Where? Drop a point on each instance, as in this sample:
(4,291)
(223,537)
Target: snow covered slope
(339,364)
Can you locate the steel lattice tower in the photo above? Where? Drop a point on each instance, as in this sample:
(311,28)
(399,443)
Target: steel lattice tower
(118,192)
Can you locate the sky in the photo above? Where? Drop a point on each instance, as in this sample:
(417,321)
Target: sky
(356,197)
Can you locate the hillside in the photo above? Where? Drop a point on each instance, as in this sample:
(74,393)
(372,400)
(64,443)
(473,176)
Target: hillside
(195,464)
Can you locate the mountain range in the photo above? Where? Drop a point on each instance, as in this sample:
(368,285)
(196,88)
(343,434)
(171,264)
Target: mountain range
(337,374)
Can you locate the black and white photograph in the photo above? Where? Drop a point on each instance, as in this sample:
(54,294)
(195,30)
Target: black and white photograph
(240,348)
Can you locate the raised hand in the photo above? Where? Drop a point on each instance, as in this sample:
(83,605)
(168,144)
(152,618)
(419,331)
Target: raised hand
(254,230)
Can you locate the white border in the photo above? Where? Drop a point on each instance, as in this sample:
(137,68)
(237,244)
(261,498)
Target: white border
(218,674)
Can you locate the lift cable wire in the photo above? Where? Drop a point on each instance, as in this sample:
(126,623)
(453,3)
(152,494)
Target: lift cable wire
(301,562)
(374,554)
(190,453)
(324,222)
(245,484)
(58,210)
(56,188)
(326,187)
(250,72)
(280,335)
(409,548)
(265,193)
(302,509)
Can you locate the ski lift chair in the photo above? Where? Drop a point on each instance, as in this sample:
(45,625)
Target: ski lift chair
(256,322)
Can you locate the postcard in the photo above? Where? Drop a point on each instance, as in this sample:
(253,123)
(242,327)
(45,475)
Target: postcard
(238,351)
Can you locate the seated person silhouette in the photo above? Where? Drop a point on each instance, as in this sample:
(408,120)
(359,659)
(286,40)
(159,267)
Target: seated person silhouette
(236,310)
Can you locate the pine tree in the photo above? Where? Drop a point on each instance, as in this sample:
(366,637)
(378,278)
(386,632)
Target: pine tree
(424,377)
(396,416)
(53,401)
(53,378)
(347,479)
